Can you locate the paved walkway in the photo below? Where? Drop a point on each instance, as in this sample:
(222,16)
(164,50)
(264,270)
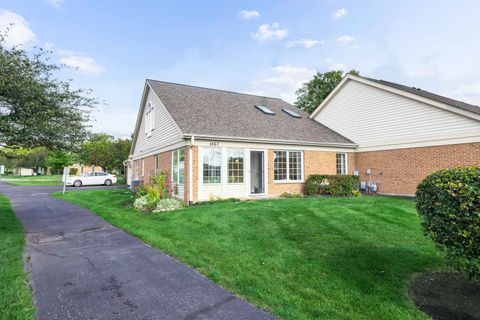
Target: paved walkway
(83,268)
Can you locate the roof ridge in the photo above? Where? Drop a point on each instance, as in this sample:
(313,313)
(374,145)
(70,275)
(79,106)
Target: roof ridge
(221,90)
(417,89)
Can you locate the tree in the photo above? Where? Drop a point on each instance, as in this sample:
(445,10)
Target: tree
(37,109)
(34,159)
(105,151)
(59,159)
(121,150)
(313,92)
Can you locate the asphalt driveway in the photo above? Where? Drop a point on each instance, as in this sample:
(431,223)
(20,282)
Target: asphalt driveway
(84,268)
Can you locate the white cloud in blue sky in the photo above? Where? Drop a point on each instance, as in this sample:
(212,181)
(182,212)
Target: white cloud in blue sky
(248,14)
(19,32)
(267,32)
(340,13)
(429,44)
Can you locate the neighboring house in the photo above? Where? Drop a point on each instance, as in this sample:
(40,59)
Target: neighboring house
(226,144)
(216,143)
(403,133)
(82,168)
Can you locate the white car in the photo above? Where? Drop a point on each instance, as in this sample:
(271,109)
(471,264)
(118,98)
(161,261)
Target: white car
(90,179)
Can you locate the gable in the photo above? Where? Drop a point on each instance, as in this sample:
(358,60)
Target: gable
(165,132)
(373,117)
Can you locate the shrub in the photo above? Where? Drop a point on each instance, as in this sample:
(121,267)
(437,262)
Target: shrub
(217,199)
(73,171)
(168,205)
(141,204)
(287,194)
(339,185)
(448,202)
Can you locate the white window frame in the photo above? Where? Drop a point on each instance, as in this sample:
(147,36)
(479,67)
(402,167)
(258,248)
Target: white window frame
(243,164)
(288,167)
(149,119)
(143,167)
(177,153)
(345,164)
(221,166)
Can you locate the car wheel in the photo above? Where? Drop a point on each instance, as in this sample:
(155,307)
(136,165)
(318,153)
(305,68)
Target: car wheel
(77,183)
(108,182)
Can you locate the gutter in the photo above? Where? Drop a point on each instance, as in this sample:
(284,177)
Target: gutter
(269,141)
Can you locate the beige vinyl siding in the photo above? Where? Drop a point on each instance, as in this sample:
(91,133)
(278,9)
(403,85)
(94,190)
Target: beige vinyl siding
(372,117)
(165,132)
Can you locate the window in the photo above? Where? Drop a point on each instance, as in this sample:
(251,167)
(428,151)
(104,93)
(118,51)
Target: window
(143,167)
(212,165)
(292,113)
(178,166)
(136,169)
(265,110)
(156,164)
(149,118)
(288,165)
(341,163)
(235,166)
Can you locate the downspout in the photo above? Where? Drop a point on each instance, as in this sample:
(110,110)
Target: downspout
(190,171)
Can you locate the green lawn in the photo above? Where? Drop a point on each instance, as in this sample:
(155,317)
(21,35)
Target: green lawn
(302,258)
(15,295)
(53,180)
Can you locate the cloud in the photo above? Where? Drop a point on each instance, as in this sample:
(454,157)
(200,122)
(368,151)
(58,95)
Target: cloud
(282,82)
(340,13)
(267,32)
(248,14)
(418,69)
(57,4)
(306,43)
(469,93)
(84,64)
(335,65)
(345,40)
(19,32)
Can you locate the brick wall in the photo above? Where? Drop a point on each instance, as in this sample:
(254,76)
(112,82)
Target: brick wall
(195,173)
(315,162)
(164,163)
(400,171)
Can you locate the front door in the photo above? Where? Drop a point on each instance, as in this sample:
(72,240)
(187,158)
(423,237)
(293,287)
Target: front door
(257,172)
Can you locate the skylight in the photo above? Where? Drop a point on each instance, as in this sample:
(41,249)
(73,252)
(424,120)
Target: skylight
(265,110)
(292,113)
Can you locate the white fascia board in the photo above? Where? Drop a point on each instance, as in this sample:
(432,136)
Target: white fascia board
(275,142)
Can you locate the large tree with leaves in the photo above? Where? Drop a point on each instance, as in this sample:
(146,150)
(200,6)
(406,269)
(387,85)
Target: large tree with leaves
(312,93)
(105,151)
(36,108)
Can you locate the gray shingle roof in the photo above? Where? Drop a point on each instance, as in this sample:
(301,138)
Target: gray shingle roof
(429,95)
(204,111)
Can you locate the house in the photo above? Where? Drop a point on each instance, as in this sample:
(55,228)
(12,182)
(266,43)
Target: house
(403,133)
(79,168)
(216,143)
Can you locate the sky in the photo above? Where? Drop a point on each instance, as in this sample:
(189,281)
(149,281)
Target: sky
(262,47)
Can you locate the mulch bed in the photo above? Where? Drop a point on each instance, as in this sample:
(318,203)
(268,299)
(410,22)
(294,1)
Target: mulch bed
(446,296)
